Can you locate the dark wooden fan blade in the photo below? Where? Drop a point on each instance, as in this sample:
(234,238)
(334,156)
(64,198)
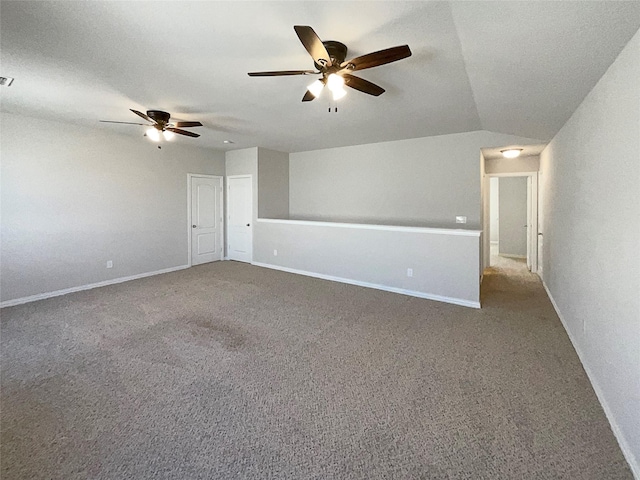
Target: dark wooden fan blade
(374,59)
(281,73)
(313,44)
(126,123)
(308,96)
(143,115)
(362,85)
(182,132)
(187,124)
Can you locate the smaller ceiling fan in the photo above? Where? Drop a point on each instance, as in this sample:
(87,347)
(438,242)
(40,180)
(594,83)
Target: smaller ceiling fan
(160,125)
(329,59)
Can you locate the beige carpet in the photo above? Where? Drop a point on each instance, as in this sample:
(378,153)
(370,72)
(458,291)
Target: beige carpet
(229,371)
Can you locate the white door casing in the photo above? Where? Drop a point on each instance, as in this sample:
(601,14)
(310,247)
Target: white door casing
(540,219)
(528,226)
(533,224)
(240,218)
(534,248)
(205,218)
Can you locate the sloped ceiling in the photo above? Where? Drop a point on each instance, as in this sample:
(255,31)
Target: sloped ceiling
(519,68)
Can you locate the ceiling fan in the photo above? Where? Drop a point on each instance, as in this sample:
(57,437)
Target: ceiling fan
(329,60)
(160,125)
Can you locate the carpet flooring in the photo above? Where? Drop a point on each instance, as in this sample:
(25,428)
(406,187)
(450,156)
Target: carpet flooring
(231,371)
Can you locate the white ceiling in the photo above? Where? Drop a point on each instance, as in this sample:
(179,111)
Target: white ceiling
(520,68)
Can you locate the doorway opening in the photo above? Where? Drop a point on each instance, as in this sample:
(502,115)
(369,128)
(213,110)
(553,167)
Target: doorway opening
(513,221)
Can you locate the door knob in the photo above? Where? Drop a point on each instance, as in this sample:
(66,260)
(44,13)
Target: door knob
(193,226)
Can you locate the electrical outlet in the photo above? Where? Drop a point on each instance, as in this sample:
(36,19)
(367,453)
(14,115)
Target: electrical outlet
(275,253)
(109,264)
(409,272)
(461,219)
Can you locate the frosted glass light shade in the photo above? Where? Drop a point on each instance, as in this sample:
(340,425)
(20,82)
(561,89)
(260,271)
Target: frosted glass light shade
(168,135)
(335,82)
(153,134)
(316,88)
(511,152)
(338,93)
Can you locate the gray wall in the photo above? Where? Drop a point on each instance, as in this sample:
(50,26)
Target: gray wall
(529,163)
(513,216)
(273,184)
(591,225)
(445,265)
(423,181)
(74,197)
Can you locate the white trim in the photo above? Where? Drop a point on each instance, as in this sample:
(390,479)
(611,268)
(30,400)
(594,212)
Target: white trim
(507,255)
(367,226)
(57,293)
(411,293)
(512,174)
(532,216)
(189,219)
(624,446)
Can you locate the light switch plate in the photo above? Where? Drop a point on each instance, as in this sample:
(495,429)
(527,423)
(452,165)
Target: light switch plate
(461,219)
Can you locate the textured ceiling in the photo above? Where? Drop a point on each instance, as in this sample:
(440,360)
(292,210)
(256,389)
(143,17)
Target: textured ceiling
(513,67)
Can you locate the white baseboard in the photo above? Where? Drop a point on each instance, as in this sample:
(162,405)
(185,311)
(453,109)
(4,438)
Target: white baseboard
(624,446)
(57,293)
(411,293)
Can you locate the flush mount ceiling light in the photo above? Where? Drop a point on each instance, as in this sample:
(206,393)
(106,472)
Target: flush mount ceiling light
(511,152)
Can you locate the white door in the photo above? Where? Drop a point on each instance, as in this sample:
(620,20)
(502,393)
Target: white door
(206,219)
(239,221)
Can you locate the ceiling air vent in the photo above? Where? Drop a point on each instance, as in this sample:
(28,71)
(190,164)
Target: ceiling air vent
(6,81)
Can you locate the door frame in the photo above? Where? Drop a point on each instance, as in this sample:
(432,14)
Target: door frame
(190,176)
(532,216)
(226,189)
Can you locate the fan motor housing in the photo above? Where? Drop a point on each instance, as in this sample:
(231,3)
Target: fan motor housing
(159,116)
(337,52)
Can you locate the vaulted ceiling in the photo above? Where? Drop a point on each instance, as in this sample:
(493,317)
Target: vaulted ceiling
(520,67)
